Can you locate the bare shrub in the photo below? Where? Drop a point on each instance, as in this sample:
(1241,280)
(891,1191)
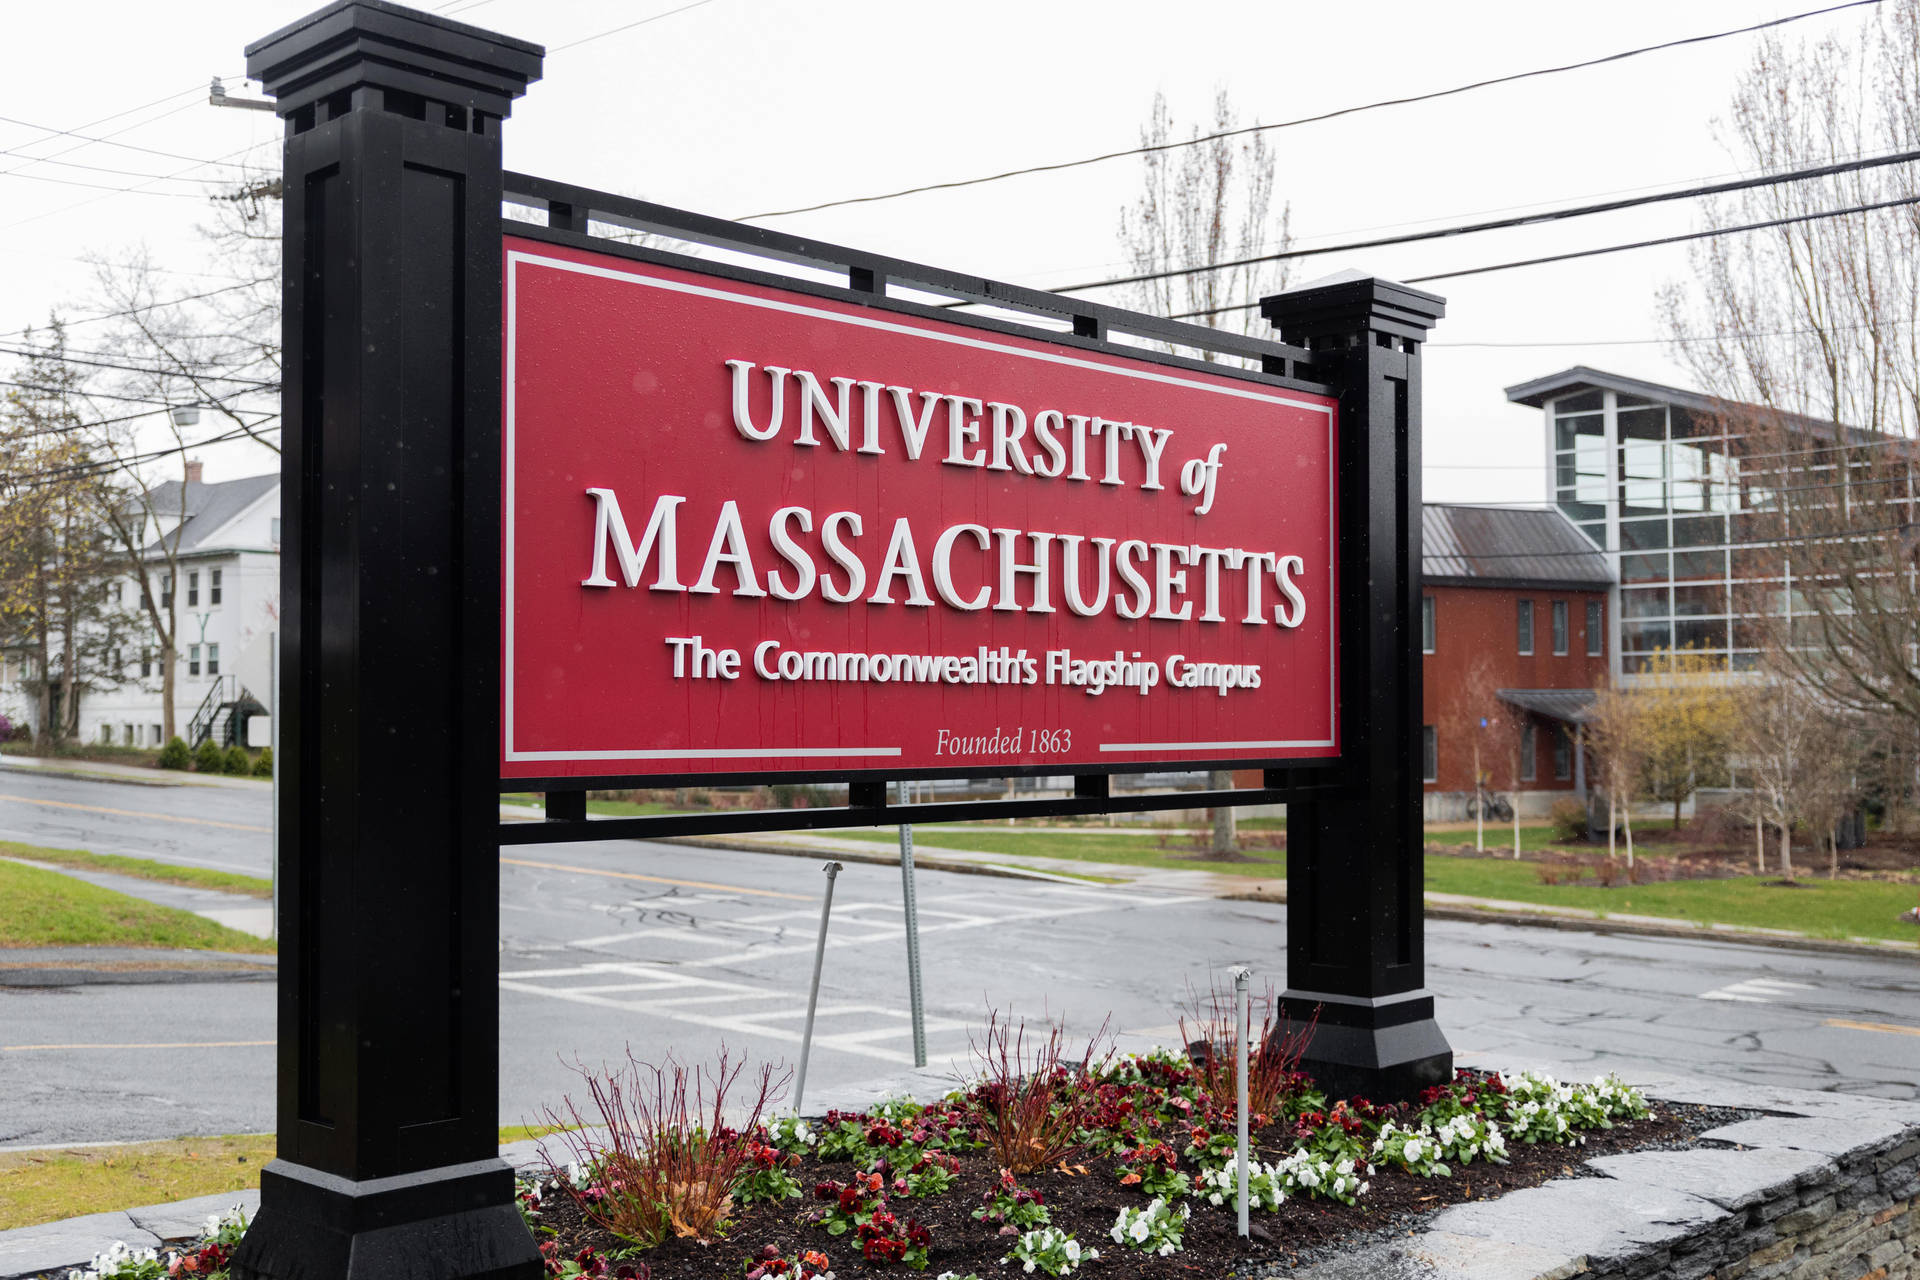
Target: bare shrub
(1273,1053)
(657,1154)
(1033,1100)
(1568,818)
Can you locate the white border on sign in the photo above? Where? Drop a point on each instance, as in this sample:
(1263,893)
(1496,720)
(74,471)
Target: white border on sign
(635,276)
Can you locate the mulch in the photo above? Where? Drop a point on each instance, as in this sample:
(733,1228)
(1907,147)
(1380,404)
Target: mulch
(1086,1206)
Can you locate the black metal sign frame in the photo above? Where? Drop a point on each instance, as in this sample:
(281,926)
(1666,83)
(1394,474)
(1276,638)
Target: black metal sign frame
(389,830)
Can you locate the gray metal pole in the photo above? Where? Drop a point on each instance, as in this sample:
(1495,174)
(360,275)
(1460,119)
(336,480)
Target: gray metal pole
(1242,1026)
(912,907)
(813,994)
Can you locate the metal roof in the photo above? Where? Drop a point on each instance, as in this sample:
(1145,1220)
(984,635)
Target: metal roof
(208,507)
(1574,706)
(1581,378)
(1508,546)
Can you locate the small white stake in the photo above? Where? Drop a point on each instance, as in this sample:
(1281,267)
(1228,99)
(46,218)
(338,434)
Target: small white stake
(1243,1026)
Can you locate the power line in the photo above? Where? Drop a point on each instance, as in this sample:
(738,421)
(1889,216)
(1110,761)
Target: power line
(134,311)
(101,186)
(1522,220)
(1313,119)
(51,354)
(1665,240)
(1606,249)
(119,464)
(575,44)
(75,164)
(49,131)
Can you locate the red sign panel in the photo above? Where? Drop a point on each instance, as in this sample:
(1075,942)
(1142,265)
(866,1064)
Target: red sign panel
(753,530)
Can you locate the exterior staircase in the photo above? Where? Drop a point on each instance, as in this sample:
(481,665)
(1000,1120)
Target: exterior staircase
(223,713)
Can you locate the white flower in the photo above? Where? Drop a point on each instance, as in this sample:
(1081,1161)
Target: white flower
(1139,1230)
(1073,1250)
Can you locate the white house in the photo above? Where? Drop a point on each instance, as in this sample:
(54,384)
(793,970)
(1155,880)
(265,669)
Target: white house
(227,603)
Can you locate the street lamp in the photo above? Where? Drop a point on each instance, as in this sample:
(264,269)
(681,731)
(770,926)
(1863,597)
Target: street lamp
(185,415)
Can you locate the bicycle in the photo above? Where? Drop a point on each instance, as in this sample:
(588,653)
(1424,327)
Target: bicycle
(1491,803)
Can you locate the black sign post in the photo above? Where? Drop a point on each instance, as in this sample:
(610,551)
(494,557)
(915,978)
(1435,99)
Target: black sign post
(388,1103)
(391,592)
(1355,911)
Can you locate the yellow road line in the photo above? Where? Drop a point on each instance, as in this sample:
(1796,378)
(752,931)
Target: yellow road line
(1891,1028)
(634,875)
(137,813)
(188,1044)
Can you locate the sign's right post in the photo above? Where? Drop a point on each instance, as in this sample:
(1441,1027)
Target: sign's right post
(1355,914)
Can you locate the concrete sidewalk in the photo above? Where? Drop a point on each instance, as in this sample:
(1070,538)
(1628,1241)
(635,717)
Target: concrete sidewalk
(102,771)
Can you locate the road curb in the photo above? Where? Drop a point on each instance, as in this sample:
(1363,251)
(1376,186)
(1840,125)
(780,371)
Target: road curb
(71,977)
(921,861)
(1679,930)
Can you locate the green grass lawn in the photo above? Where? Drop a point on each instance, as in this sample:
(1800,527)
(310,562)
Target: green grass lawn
(47,1186)
(1079,846)
(47,909)
(143,869)
(1499,835)
(1824,908)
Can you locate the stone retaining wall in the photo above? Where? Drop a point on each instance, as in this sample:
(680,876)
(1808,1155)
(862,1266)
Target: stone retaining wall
(1824,1187)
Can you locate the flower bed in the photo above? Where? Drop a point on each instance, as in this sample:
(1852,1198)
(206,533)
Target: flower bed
(1120,1167)
(1117,1168)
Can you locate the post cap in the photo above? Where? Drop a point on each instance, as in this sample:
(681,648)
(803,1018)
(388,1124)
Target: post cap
(1350,303)
(370,42)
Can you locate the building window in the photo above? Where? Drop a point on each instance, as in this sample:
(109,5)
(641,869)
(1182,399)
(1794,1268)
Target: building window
(1426,624)
(1529,753)
(213,586)
(1596,642)
(1562,753)
(156,733)
(1560,628)
(129,735)
(213,659)
(106,735)
(1526,626)
(166,590)
(193,659)
(193,588)
(1429,755)
(146,662)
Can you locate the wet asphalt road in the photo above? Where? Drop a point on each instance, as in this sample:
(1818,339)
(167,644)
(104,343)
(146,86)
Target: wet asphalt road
(618,944)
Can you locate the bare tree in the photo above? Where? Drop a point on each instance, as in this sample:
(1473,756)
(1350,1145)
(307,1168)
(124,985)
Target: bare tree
(56,575)
(1809,332)
(1474,714)
(1208,202)
(1614,730)
(205,352)
(1801,759)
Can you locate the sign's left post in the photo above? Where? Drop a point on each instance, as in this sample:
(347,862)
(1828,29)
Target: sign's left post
(388,1160)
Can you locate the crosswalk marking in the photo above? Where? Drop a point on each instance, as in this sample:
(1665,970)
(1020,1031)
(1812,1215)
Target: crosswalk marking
(1756,991)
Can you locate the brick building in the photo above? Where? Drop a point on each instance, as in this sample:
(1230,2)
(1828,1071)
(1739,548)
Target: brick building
(1514,616)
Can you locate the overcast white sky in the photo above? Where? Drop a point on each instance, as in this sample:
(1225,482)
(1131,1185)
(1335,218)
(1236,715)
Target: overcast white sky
(736,106)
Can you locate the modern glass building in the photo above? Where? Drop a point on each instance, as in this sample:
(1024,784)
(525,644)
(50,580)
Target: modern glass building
(1660,479)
